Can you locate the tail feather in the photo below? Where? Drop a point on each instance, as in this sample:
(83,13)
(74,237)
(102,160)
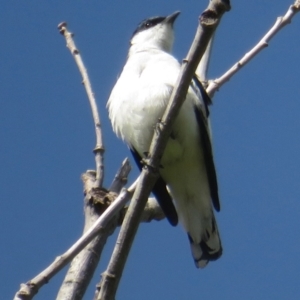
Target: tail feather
(209,248)
(202,253)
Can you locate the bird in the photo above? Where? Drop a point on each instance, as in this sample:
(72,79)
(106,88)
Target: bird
(187,188)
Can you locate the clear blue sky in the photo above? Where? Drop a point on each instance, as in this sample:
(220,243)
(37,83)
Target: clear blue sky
(47,137)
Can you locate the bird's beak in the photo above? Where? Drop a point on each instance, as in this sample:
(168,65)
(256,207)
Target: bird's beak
(171,18)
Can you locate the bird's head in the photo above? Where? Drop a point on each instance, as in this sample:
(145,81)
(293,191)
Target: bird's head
(155,32)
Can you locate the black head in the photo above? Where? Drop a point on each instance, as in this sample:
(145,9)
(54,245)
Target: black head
(147,23)
(153,21)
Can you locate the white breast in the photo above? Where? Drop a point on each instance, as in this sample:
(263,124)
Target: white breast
(140,96)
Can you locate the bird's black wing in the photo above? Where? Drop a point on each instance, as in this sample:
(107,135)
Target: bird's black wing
(206,99)
(160,192)
(207,147)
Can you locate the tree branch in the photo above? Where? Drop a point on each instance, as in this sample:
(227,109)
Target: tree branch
(99,149)
(28,290)
(209,21)
(120,179)
(215,84)
(99,230)
(202,68)
(152,211)
(84,264)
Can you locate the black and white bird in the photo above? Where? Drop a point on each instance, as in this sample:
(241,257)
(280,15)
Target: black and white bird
(187,189)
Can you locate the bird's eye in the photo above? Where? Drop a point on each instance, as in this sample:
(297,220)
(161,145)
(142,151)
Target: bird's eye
(148,24)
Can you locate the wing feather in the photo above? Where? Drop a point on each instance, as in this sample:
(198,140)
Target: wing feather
(160,192)
(207,147)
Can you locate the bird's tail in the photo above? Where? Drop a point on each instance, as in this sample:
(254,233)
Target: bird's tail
(209,248)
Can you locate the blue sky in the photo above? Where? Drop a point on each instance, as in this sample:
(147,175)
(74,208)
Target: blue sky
(47,137)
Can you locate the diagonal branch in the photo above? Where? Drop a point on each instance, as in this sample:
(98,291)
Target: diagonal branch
(209,21)
(28,290)
(281,22)
(99,227)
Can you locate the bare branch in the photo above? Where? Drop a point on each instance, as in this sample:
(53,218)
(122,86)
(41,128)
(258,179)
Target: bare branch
(120,179)
(209,20)
(84,264)
(215,84)
(151,212)
(202,69)
(28,290)
(99,227)
(99,149)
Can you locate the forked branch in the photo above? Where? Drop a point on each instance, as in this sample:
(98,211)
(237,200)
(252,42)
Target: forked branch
(281,22)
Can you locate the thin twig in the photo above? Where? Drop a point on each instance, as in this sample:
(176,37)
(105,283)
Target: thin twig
(99,149)
(120,179)
(215,84)
(209,20)
(202,69)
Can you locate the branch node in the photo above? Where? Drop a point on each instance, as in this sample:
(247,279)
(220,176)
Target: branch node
(107,274)
(208,18)
(46,279)
(148,166)
(220,6)
(62,27)
(159,127)
(296,6)
(99,149)
(212,15)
